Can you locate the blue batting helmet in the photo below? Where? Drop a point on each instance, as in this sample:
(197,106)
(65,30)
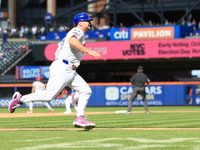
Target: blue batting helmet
(81,17)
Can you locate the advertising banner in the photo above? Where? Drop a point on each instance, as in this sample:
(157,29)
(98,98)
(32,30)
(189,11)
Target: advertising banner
(31,72)
(116,94)
(57,102)
(157,95)
(119,34)
(176,48)
(150,33)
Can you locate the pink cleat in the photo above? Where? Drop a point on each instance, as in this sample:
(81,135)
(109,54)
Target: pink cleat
(15,102)
(29,112)
(51,110)
(80,122)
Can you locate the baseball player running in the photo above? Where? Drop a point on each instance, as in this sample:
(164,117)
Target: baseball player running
(38,86)
(63,72)
(72,98)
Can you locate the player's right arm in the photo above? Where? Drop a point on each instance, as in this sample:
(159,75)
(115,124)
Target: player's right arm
(33,89)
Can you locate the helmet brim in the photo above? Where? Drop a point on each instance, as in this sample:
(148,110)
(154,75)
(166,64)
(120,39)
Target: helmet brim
(88,19)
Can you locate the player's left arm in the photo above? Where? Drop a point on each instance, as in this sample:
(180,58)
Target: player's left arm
(75,43)
(33,89)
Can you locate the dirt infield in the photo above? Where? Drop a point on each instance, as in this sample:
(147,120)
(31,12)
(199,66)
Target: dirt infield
(14,115)
(11,115)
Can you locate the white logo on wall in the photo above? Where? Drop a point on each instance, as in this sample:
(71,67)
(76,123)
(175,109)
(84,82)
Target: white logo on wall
(197,101)
(112,93)
(45,71)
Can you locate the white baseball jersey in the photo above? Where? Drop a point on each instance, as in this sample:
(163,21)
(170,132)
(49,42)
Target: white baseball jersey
(39,86)
(66,52)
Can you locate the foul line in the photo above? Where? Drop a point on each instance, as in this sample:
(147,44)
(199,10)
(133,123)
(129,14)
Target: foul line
(57,129)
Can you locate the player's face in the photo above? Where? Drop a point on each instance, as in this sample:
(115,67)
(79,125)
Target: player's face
(86,24)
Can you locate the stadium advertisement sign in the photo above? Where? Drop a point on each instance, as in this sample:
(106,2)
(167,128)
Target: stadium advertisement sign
(176,48)
(142,33)
(31,72)
(157,95)
(118,94)
(152,33)
(149,33)
(119,34)
(57,102)
(154,49)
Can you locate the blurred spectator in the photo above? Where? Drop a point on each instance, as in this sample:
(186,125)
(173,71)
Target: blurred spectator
(194,24)
(14,31)
(42,30)
(199,25)
(9,31)
(189,23)
(105,27)
(25,47)
(174,23)
(26,29)
(2,55)
(183,22)
(61,28)
(121,25)
(59,95)
(34,31)
(64,93)
(7,50)
(8,21)
(21,50)
(4,38)
(22,32)
(157,23)
(166,22)
(150,23)
(52,29)
(99,27)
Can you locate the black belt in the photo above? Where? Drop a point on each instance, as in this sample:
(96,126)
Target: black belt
(73,66)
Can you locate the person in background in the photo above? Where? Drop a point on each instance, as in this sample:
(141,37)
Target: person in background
(72,98)
(38,86)
(140,81)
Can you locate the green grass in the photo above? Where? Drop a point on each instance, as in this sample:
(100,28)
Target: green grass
(107,135)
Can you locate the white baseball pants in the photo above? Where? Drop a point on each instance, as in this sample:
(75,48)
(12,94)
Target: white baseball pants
(62,75)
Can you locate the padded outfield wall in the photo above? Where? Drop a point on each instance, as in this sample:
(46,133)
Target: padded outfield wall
(118,94)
